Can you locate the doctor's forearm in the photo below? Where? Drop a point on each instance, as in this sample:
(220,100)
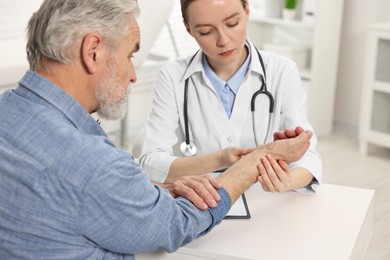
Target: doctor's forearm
(195,165)
(300,178)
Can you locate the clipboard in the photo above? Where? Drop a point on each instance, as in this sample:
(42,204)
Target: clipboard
(239,209)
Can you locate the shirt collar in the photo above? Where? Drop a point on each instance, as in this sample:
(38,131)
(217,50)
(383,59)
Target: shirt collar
(43,91)
(196,64)
(234,82)
(217,83)
(255,65)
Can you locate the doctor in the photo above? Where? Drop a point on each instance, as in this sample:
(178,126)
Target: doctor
(207,112)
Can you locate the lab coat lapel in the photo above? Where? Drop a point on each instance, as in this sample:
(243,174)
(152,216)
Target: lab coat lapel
(241,108)
(207,118)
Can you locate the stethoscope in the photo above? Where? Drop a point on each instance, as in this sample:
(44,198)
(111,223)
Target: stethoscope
(188,148)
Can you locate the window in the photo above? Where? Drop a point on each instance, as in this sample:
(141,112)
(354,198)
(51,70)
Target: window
(14,16)
(174,41)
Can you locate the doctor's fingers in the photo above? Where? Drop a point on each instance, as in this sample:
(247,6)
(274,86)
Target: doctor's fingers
(233,154)
(263,179)
(282,171)
(274,174)
(279,135)
(291,133)
(288,133)
(298,130)
(292,149)
(243,151)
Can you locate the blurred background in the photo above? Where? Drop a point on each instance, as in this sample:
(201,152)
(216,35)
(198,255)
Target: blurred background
(342,48)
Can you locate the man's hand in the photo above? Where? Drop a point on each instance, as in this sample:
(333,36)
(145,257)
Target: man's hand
(200,190)
(292,149)
(288,133)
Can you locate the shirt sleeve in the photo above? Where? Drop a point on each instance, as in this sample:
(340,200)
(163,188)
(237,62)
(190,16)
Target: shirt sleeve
(124,213)
(161,130)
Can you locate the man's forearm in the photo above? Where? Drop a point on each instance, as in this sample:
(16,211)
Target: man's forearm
(241,175)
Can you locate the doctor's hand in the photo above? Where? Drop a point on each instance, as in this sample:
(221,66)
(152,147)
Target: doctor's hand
(288,133)
(274,175)
(201,190)
(230,155)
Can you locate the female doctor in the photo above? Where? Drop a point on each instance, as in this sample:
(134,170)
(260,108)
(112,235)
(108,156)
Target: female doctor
(217,105)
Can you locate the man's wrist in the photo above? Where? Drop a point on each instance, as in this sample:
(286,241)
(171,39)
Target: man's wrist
(239,177)
(274,149)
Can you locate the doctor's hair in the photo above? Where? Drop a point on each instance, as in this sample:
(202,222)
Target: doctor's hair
(58,27)
(185,3)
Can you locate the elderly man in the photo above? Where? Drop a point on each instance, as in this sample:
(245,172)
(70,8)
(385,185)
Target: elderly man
(66,191)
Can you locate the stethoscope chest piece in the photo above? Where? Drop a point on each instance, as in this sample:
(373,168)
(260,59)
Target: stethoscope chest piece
(189,149)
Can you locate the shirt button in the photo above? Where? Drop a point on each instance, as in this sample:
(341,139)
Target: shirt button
(230,139)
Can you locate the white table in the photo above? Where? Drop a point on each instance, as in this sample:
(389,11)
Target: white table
(335,223)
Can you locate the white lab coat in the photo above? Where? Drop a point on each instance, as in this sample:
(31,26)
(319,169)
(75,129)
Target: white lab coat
(210,128)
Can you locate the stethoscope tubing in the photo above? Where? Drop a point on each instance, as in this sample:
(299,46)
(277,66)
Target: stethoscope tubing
(262,90)
(185,110)
(185,106)
(189,149)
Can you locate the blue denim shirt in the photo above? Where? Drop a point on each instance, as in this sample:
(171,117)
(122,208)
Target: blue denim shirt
(66,192)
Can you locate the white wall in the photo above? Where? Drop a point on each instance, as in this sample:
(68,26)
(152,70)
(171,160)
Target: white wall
(358,15)
(14,16)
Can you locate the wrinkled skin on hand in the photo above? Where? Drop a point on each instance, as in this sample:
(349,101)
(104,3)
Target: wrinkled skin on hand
(291,149)
(201,190)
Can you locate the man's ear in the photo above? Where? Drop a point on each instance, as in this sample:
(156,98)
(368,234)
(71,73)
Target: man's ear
(92,52)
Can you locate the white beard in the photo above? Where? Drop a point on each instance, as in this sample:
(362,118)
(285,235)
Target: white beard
(111,96)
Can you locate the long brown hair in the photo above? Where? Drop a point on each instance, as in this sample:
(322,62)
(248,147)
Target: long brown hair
(185,3)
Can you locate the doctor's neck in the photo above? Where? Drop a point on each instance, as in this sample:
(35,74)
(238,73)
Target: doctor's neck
(226,71)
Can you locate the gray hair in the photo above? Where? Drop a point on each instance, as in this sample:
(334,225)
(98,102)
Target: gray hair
(60,25)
